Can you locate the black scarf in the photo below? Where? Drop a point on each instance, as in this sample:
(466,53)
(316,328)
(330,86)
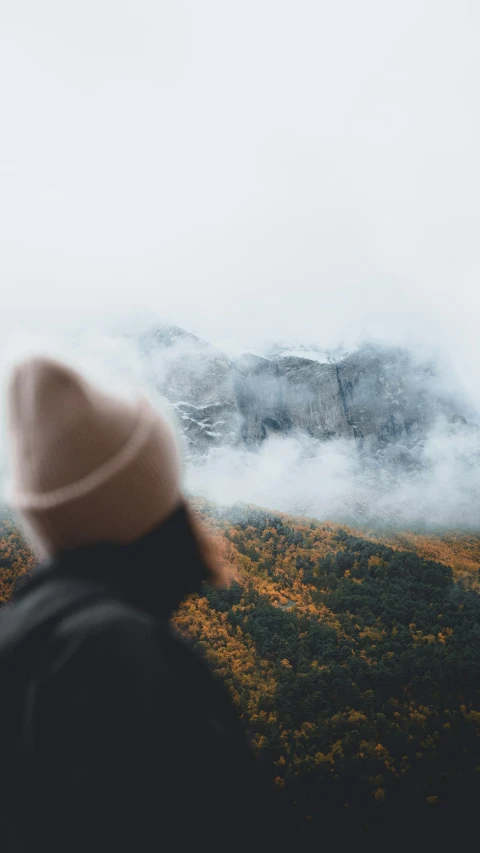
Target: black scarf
(155,573)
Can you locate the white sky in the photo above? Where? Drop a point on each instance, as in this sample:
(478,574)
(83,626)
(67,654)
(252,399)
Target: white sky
(305,170)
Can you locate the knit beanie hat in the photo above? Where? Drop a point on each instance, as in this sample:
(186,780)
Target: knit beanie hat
(85,466)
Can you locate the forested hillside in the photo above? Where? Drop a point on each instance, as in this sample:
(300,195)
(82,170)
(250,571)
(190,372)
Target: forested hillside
(355,663)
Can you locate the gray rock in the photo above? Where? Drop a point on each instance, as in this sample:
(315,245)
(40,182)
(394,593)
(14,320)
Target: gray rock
(377,394)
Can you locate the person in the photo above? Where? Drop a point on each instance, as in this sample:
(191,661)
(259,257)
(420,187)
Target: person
(115,734)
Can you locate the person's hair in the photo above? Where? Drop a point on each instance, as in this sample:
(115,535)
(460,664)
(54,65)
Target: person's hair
(179,555)
(183,539)
(218,573)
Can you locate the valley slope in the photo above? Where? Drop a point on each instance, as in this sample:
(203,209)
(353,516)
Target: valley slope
(354,660)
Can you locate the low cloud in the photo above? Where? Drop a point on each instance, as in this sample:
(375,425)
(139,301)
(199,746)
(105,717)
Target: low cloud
(433,484)
(440,489)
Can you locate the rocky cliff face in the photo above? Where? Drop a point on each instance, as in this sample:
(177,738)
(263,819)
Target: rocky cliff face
(375,394)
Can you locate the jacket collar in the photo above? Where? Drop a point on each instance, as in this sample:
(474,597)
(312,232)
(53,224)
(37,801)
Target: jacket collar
(154,573)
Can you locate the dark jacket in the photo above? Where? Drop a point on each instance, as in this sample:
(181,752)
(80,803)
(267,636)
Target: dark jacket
(116,735)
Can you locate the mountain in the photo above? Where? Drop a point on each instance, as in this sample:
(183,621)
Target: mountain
(375,394)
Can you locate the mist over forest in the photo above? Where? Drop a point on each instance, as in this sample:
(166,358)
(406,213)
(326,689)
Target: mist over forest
(272,428)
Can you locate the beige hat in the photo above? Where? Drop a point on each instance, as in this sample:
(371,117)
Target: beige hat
(85,466)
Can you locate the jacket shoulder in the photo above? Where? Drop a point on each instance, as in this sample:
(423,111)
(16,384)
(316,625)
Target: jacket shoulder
(105,618)
(101,690)
(110,640)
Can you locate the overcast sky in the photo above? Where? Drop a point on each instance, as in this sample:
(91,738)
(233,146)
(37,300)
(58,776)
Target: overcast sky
(303,170)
